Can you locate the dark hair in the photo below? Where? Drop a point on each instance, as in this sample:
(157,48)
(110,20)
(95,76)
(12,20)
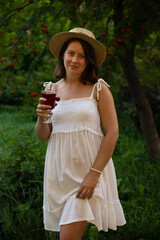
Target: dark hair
(91,70)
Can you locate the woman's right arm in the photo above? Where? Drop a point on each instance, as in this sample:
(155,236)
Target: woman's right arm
(43,130)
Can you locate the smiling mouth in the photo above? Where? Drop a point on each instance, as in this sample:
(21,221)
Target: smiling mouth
(73,66)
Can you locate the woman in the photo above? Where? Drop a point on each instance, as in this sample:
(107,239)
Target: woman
(79,180)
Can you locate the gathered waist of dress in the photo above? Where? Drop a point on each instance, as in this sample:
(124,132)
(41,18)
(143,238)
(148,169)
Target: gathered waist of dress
(70,128)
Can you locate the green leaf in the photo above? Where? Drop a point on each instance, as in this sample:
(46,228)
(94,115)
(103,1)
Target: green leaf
(93,233)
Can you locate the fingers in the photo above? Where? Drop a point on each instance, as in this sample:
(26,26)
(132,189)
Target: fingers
(43,110)
(91,193)
(87,187)
(85,192)
(44,114)
(42,101)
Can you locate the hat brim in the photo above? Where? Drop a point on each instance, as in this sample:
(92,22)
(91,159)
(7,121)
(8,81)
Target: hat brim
(59,39)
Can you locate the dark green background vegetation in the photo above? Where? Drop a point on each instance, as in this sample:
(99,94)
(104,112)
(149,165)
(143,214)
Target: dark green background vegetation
(26,62)
(21,181)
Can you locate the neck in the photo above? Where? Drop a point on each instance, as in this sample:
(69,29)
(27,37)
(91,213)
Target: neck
(71,79)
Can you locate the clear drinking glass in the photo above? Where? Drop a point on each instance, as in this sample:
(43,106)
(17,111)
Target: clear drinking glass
(50,95)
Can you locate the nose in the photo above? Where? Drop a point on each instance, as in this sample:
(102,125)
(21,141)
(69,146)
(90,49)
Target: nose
(75,58)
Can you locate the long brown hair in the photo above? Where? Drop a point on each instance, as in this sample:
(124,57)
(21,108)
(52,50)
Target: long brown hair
(91,71)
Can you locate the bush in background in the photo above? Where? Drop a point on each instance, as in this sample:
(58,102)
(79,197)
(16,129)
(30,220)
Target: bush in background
(21,181)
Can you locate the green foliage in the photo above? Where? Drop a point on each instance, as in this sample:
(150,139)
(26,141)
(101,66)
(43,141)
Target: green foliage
(148,62)
(21,167)
(21,193)
(93,233)
(26,62)
(138,177)
(26,28)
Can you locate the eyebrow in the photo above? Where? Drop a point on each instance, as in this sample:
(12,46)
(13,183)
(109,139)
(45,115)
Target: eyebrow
(74,51)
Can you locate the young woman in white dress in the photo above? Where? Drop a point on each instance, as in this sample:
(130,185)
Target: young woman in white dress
(79,179)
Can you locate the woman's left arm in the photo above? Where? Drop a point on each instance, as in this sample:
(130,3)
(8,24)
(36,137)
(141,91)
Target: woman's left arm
(109,122)
(110,125)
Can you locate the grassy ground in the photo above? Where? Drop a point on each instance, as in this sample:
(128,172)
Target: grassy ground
(12,119)
(21,176)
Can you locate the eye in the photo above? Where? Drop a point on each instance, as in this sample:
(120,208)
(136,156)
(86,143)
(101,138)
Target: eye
(82,56)
(70,53)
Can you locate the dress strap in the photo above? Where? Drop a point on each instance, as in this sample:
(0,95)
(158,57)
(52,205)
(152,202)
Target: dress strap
(99,86)
(92,93)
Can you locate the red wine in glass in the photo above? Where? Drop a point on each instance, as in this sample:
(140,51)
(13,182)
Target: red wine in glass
(50,98)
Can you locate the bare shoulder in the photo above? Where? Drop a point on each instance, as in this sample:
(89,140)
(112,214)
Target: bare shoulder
(106,101)
(107,109)
(58,84)
(104,93)
(105,88)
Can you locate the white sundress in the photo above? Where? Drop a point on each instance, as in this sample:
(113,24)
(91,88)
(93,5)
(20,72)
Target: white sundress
(72,149)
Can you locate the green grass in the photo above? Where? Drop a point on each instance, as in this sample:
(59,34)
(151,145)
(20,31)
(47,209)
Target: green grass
(21,181)
(12,119)
(21,178)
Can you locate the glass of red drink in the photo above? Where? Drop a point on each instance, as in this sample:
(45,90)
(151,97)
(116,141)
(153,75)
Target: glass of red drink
(51,99)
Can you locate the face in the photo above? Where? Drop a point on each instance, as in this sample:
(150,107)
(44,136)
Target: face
(74,59)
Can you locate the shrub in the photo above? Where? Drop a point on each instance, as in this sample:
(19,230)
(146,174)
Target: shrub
(21,187)
(21,181)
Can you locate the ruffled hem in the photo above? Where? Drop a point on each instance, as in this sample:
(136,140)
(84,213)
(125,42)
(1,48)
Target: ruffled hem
(103,216)
(76,128)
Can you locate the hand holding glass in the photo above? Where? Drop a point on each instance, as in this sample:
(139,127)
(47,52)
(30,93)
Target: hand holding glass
(51,99)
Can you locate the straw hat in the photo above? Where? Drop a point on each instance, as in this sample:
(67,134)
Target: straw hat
(59,39)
